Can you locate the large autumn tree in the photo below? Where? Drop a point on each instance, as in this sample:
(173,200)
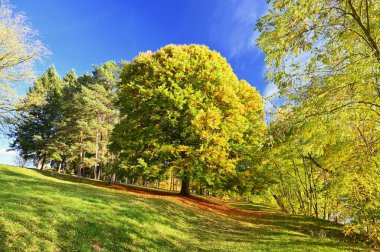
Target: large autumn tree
(183,110)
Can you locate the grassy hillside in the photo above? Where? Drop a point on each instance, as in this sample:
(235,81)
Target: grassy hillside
(39,212)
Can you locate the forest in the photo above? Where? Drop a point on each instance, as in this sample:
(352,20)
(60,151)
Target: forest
(180,119)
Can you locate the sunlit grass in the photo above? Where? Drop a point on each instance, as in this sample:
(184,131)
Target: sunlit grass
(42,213)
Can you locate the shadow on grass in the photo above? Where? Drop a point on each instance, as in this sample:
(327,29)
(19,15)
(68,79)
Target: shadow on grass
(257,207)
(117,186)
(82,218)
(39,213)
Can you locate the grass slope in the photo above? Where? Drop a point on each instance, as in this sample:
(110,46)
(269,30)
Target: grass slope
(43,213)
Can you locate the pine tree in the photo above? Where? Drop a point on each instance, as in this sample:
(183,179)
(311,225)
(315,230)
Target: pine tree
(88,119)
(39,112)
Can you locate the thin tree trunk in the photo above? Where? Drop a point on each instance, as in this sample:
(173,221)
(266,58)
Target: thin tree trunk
(59,167)
(100,170)
(96,154)
(79,172)
(81,156)
(171,182)
(39,164)
(43,163)
(63,164)
(95,173)
(279,202)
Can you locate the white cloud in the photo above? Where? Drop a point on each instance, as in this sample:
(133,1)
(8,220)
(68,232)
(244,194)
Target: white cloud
(7,153)
(237,30)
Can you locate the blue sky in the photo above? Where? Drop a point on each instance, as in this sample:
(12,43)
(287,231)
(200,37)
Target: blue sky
(83,33)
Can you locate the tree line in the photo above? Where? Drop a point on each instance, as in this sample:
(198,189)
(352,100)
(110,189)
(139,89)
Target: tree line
(66,122)
(181,114)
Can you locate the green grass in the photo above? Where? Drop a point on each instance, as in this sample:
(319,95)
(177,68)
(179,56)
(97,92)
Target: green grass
(44,213)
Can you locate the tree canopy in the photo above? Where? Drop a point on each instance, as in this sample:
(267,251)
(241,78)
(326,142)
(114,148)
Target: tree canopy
(324,59)
(184,110)
(67,122)
(19,49)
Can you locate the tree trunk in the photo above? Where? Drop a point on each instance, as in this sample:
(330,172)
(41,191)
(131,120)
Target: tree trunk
(43,164)
(279,202)
(171,182)
(202,190)
(95,173)
(80,164)
(39,164)
(185,187)
(63,164)
(100,170)
(59,166)
(96,155)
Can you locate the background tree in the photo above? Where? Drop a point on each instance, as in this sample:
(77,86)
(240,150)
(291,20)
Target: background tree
(324,58)
(19,49)
(183,110)
(89,116)
(67,122)
(39,112)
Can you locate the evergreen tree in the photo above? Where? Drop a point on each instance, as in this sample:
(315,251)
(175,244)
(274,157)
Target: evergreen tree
(36,125)
(89,115)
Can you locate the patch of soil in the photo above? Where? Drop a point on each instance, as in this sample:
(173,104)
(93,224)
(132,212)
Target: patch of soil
(193,201)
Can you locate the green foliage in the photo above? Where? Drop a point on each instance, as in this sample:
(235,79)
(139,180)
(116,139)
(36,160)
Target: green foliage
(184,110)
(67,122)
(40,110)
(89,118)
(324,58)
